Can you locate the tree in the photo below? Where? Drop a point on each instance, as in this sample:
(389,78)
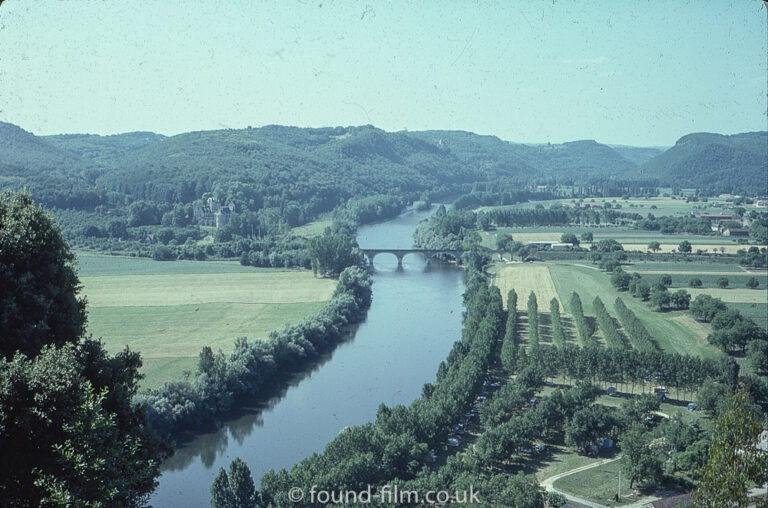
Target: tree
(117,229)
(555,499)
(710,395)
(695,282)
(39,302)
(642,290)
(241,484)
(620,279)
(504,242)
(660,299)
(681,299)
(735,461)
(639,460)
(221,495)
(665,280)
(569,238)
(684,246)
(757,356)
(587,237)
(722,282)
(609,245)
(753,283)
(233,490)
(142,213)
(330,253)
(70,433)
(654,246)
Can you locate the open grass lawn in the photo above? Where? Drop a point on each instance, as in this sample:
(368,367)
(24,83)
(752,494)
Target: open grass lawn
(706,244)
(524,278)
(674,331)
(735,295)
(92,265)
(599,484)
(560,459)
(663,205)
(684,267)
(756,311)
(169,316)
(709,280)
(195,288)
(312,228)
(631,239)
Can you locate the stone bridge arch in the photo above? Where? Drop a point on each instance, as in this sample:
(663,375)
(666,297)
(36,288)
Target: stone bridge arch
(428,254)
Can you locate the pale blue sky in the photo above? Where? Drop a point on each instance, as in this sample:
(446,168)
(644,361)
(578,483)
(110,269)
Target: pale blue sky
(631,72)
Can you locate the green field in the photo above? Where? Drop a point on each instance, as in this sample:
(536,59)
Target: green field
(658,206)
(631,239)
(683,266)
(674,331)
(599,484)
(756,311)
(312,228)
(168,311)
(92,265)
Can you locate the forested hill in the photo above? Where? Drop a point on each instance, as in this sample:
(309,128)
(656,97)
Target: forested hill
(290,162)
(736,163)
(580,161)
(103,148)
(22,153)
(318,169)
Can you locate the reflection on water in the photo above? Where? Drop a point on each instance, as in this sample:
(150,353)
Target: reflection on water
(414,319)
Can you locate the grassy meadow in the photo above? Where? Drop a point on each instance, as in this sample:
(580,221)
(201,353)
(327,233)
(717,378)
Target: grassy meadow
(630,239)
(168,311)
(599,484)
(658,206)
(311,229)
(675,331)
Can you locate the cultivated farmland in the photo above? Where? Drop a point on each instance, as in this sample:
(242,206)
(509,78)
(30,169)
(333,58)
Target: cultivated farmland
(169,315)
(524,278)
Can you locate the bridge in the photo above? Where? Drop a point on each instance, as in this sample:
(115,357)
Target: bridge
(401,253)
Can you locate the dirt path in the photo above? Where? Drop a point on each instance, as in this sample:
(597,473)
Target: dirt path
(548,482)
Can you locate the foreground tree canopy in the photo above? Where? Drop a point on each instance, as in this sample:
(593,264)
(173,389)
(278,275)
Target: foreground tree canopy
(69,433)
(38,297)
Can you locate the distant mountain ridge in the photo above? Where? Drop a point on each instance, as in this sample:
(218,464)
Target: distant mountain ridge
(156,167)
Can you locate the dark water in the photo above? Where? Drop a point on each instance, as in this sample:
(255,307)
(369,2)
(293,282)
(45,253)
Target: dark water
(409,329)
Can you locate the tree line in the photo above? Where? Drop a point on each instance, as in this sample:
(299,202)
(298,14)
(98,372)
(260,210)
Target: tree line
(533,320)
(611,335)
(558,335)
(638,335)
(582,325)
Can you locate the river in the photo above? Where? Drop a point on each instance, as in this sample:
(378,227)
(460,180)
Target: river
(414,319)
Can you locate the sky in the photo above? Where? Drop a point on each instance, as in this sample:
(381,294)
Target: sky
(641,73)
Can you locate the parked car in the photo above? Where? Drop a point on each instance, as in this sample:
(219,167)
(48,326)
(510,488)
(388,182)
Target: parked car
(452,441)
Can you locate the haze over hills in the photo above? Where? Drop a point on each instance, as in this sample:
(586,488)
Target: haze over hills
(363,160)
